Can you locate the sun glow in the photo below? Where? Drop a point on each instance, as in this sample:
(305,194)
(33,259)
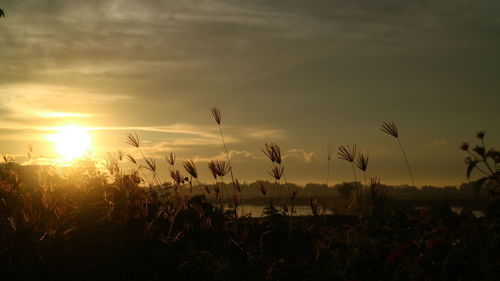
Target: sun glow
(72,142)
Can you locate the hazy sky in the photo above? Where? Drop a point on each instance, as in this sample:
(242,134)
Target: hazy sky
(300,73)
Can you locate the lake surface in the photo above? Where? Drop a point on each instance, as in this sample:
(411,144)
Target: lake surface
(256,210)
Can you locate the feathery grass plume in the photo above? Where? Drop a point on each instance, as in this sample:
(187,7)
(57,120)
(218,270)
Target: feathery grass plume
(190,168)
(177,177)
(349,154)
(276,172)
(212,166)
(362,163)
(170,158)
(216,114)
(329,153)
(218,118)
(133,139)
(120,154)
(222,168)
(390,128)
(131,158)
(375,181)
(150,164)
(111,163)
(377,194)
(273,152)
(30,151)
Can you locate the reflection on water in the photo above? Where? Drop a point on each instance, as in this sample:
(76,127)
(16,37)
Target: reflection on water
(305,210)
(475,213)
(256,210)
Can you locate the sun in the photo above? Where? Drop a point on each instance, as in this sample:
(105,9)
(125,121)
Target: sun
(72,142)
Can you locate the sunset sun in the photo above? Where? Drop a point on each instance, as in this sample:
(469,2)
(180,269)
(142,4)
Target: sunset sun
(72,142)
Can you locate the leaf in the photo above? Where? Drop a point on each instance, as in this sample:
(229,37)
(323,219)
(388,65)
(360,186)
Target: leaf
(479,184)
(470,167)
(479,150)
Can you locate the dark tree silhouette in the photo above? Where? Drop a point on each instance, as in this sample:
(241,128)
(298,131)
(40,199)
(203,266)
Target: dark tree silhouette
(2,14)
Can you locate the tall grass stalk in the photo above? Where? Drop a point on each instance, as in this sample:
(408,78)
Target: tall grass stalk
(329,153)
(390,128)
(349,154)
(218,118)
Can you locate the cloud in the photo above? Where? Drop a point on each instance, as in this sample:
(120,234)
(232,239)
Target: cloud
(63,114)
(31,101)
(234,155)
(265,134)
(300,154)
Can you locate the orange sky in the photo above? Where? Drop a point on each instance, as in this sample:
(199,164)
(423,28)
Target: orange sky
(300,73)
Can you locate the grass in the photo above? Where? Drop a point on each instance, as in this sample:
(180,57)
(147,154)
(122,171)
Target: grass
(391,129)
(88,224)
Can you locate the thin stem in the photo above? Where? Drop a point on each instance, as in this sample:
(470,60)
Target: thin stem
(366,183)
(228,160)
(227,153)
(406,160)
(328,173)
(354,172)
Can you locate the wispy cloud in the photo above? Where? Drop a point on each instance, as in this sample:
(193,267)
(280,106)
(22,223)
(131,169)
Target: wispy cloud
(266,134)
(234,155)
(300,154)
(31,101)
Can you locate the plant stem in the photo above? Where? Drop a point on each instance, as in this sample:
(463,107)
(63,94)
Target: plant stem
(228,160)
(354,172)
(366,182)
(406,160)
(328,173)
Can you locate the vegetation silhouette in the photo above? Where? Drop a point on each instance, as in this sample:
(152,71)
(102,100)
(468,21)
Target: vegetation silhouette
(131,224)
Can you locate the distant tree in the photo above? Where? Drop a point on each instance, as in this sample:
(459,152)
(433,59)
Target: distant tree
(345,189)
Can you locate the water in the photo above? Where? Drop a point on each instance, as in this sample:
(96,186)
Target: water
(256,210)
(475,213)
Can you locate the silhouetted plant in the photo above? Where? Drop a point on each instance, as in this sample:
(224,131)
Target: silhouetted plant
(362,163)
(329,153)
(390,128)
(489,160)
(348,154)
(218,118)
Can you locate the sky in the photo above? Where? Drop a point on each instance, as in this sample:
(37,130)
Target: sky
(303,74)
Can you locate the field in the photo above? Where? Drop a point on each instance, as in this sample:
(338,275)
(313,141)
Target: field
(83,223)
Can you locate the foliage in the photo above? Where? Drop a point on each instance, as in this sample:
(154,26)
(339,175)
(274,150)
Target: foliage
(92,226)
(486,162)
